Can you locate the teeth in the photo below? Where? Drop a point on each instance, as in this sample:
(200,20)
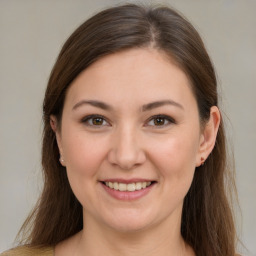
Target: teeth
(128,187)
(122,187)
(138,186)
(131,187)
(116,187)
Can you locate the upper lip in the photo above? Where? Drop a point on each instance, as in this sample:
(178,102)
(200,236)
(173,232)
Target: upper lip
(127,181)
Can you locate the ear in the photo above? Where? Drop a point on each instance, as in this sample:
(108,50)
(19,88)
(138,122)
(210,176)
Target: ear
(208,136)
(55,128)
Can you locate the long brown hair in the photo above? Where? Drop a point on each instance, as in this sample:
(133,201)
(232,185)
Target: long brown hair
(207,222)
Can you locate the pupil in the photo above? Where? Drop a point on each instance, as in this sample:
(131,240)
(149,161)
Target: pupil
(159,121)
(97,121)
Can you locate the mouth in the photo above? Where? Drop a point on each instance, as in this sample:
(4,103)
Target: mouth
(127,190)
(128,187)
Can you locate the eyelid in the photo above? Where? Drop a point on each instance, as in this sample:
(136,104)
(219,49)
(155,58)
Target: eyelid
(162,116)
(87,118)
(166,117)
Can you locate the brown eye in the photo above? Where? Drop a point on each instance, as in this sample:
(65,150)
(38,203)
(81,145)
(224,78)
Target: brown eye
(159,121)
(97,121)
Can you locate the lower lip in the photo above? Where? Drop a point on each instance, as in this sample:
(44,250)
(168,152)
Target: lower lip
(127,195)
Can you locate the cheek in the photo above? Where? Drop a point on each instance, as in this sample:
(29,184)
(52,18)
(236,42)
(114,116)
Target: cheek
(83,157)
(175,158)
(83,154)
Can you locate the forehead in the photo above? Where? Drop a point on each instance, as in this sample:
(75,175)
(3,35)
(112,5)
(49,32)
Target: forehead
(137,74)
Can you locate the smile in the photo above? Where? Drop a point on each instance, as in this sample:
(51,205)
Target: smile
(130,187)
(127,190)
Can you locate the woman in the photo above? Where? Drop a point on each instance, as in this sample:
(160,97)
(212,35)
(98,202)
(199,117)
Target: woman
(134,154)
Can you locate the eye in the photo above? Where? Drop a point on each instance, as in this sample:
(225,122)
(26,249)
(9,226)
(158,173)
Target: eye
(95,120)
(160,121)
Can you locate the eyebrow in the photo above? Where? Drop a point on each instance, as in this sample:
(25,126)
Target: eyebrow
(94,103)
(161,103)
(146,107)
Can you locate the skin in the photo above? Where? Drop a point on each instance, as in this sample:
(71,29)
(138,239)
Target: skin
(127,142)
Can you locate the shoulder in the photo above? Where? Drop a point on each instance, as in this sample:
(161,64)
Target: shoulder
(29,251)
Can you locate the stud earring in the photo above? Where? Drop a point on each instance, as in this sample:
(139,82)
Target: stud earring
(61,160)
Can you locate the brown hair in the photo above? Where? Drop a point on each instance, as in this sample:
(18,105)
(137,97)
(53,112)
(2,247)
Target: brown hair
(207,223)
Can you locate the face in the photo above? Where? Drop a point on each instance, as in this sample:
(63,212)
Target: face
(130,140)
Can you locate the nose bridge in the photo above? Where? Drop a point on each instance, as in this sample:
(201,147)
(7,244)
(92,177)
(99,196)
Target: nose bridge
(127,140)
(126,150)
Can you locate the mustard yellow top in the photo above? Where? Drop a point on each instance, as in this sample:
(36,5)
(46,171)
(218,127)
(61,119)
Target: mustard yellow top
(28,251)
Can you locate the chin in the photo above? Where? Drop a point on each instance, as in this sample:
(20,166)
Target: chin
(129,227)
(130,221)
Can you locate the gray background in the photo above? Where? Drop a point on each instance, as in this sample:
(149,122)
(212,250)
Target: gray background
(31,34)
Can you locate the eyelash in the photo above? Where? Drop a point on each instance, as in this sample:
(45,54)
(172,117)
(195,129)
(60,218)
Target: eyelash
(89,118)
(169,120)
(165,118)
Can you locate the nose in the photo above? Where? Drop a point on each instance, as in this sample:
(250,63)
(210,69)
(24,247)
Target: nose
(126,150)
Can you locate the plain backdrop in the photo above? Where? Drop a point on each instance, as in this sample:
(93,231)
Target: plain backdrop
(31,35)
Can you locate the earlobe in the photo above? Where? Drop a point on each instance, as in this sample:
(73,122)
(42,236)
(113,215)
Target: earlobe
(208,136)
